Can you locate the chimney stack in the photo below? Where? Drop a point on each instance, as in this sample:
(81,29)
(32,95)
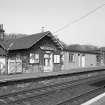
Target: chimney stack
(1,32)
(42,29)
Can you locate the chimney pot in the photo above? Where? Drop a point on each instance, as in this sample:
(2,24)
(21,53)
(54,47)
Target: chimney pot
(42,29)
(1,32)
(1,26)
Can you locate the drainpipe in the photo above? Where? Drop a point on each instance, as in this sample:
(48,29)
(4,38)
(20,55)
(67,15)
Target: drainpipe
(7,62)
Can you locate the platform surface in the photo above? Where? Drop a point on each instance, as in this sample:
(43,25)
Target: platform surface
(14,77)
(98,100)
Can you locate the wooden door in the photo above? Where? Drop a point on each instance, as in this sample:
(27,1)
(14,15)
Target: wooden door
(48,63)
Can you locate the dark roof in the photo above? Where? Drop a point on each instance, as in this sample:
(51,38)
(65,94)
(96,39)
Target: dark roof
(82,49)
(2,48)
(2,44)
(7,43)
(2,51)
(26,42)
(102,48)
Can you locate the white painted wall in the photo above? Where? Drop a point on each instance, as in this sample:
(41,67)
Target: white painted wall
(89,60)
(2,64)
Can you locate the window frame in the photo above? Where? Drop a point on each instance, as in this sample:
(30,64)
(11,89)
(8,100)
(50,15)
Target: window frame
(56,59)
(71,57)
(35,59)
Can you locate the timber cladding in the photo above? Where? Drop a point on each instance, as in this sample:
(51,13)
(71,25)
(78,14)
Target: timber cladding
(43,56)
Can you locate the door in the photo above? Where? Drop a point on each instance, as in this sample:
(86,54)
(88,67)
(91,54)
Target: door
(48,63)
(79,60)
(14,66)
(2,65)
(11,66)
(83,60)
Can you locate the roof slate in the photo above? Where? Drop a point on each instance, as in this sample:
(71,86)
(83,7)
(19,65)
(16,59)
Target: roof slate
(24,42)
(82,49)
(28,41)
(2,51)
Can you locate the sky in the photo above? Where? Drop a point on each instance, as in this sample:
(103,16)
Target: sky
(28,16)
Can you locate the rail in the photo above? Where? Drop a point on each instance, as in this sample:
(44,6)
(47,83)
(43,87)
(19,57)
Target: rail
(78,98)
(19,96)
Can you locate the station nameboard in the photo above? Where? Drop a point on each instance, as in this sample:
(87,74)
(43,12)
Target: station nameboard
(47,48)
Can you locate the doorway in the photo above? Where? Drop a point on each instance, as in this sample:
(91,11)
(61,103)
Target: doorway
(83,60)
(48,62)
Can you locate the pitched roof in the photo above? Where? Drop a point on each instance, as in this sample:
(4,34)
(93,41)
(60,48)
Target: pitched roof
(2,48)
(2,51)
(27,41)
(2,44)
(102,49)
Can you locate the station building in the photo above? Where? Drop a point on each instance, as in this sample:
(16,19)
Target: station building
(102,56)
(39,52)
(42,52)
(3,52)
(79,58)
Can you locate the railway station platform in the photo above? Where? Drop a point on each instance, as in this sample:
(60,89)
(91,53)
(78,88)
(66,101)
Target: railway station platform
(36,75)
(98,100)
(57,87)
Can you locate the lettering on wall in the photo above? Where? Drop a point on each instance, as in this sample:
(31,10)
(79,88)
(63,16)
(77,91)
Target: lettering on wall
(47,48)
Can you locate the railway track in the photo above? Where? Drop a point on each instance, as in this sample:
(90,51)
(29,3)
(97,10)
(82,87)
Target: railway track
(16,97)
(79,99)
(34,84)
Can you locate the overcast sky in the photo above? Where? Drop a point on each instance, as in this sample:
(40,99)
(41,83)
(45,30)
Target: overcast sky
(28,16)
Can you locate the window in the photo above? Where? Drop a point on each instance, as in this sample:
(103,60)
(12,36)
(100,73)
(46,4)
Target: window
(56,58)
(15,64)
(34,58)
(71,57)
(31,58)
(97,59)
(47,59)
